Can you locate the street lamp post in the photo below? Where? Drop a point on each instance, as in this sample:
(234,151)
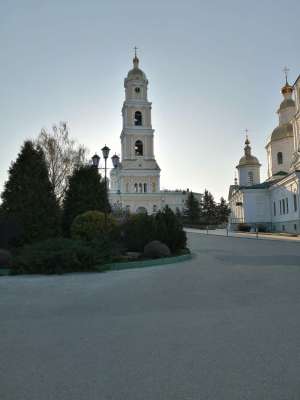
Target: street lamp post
(105,153)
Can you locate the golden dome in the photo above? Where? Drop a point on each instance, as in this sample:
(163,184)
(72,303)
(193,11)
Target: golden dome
(287,89)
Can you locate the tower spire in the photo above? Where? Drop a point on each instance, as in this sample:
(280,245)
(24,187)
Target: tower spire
(286,71)
(135,60)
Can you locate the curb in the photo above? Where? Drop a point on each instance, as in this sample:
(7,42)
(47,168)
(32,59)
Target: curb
(147,263)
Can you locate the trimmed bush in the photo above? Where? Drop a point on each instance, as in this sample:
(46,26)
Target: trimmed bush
(156,249)
(244,228)
(5,258)
(90,225)
(56,256)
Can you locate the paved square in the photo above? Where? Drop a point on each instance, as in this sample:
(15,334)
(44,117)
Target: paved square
(225,325)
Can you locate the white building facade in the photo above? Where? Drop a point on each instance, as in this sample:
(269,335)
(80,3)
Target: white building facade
(272,205)
(135,178)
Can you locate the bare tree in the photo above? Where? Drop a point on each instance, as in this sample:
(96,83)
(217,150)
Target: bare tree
(62,155)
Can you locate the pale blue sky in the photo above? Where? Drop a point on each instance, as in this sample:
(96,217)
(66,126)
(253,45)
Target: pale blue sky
(214,69)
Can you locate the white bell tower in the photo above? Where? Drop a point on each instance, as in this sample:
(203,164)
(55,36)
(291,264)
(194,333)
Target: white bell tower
(138,171)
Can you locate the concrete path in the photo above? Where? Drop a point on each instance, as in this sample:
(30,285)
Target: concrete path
(225,325)
(259,236)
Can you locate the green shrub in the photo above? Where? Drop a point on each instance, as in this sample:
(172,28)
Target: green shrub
(90,225)
(5,258)
(55,256)
(169,230)
(156,249)
(137,231)
(140,229)
(243,227)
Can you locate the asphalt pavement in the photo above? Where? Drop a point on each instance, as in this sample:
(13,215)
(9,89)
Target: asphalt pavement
(224,325)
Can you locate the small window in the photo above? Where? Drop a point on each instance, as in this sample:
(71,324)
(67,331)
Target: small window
(140,188)
(280,207)
(274,208)
(295,202)
(279,158)
(153,187)
(137,118)
(138,148)
(283,206)
(127,187)
(283,228)
(137,90)
(250,178)
(145,187)
(136,187)
(154,208)
(295,227)
(287,205)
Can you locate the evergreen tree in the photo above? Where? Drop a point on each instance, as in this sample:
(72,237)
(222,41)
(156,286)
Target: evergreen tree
(192,211)
(28,196)
(209,209)
(86,192)
(223,211)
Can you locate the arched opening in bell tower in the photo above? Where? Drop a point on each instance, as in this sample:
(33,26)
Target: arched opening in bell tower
(138,118)
(138,148)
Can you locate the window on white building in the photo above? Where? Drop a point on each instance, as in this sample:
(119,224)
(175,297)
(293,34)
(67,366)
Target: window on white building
(153,187)
(250,178)
(295,202)
(283,206)
(154,208)
(279,157)
(274,208)
(145,187)
(136,187)
(280,207)
(287,205)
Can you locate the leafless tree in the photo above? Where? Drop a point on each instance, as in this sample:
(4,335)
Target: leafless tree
(62,154)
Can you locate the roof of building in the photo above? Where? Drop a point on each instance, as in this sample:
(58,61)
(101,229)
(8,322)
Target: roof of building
(282,131)
(136,72)
(263,185)
(248,160)
(286,103)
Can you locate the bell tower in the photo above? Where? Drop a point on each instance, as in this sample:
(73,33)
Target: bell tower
(138,171)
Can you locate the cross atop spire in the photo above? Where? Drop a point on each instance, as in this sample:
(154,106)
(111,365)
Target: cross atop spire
(135,51)
(286,70)
(135,60)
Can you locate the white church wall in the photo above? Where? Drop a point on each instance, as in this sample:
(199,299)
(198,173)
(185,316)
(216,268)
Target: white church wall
(286,147)
(244,175)
(257,206)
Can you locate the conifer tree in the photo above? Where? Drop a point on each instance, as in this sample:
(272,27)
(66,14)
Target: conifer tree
(28,196)
(223,211)
(86,192)
(192,211)
(209,209)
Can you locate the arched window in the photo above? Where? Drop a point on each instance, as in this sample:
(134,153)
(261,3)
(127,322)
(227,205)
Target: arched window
(138,148)
(140,188)
(279,158)
(145,187)
(250,178)
(136,187)
(153,187)
(127,187)
(138,118)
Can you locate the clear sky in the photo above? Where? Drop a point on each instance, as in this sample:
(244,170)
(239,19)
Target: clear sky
(214,69)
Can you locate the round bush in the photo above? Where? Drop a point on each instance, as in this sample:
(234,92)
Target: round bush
(156,249)
(5,258)
(90,225)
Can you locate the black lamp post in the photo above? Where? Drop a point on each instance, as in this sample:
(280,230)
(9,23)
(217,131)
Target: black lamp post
(105,153)
(96,160)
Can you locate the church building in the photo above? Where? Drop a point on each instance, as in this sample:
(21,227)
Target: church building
(135,178)
(272,205)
